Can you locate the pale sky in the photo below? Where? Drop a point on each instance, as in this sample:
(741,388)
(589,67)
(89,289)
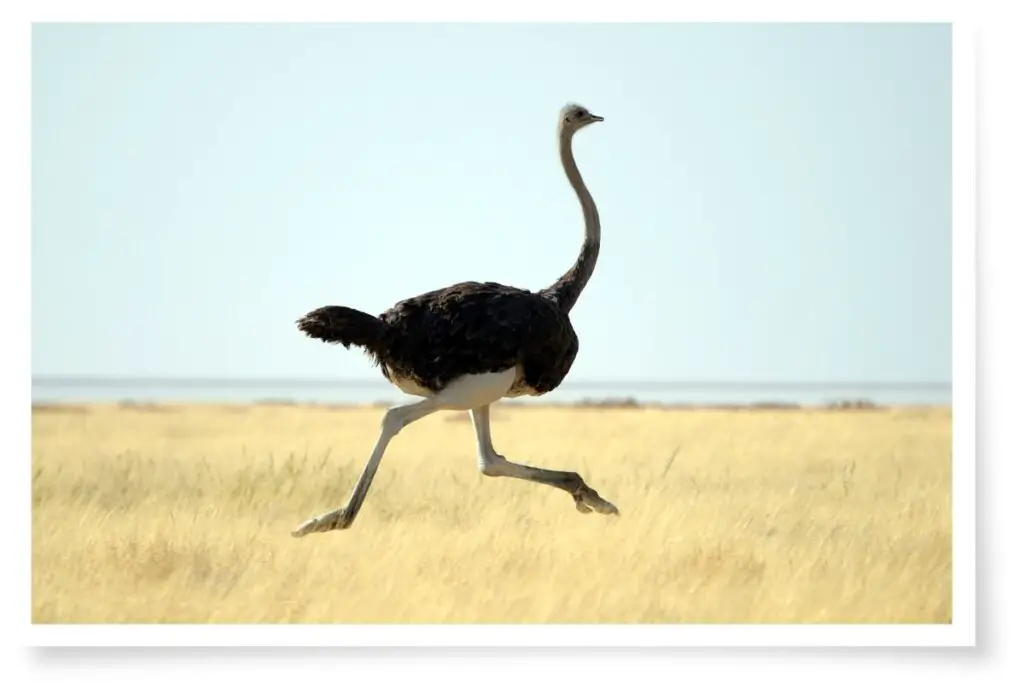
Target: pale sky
(775,199)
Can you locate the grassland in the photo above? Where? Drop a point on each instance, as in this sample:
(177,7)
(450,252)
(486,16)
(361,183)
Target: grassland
(182,514)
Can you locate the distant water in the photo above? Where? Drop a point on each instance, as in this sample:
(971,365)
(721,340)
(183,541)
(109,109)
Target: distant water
(167,390)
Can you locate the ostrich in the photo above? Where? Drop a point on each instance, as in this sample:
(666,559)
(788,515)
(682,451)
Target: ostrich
(467,346)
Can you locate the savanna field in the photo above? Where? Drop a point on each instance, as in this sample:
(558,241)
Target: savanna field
(183,514)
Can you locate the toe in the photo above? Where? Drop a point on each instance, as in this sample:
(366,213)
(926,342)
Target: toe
(603,506)
(309,526)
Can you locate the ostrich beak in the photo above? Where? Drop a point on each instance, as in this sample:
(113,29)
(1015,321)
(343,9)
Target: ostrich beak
(595,117)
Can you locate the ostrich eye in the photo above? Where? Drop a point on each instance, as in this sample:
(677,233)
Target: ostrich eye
(581,113)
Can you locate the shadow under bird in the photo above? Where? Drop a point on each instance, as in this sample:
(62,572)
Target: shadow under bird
(469,345)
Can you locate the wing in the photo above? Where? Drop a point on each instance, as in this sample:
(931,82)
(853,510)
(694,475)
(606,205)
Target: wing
(473,328)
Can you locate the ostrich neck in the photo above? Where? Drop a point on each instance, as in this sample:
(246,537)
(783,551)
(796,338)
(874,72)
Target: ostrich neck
(569,287)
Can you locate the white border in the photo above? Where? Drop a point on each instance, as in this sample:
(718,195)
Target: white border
(961,632)
(964,248)
(490,636)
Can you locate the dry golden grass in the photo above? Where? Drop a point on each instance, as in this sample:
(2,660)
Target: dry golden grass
(183,514)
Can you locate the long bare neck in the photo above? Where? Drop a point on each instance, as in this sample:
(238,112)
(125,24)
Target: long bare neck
(567,289)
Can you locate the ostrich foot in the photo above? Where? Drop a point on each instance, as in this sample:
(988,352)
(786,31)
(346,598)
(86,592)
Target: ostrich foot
(587,501)
(329,521)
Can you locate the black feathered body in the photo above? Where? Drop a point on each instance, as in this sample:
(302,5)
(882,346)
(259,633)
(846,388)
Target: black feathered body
(465,329)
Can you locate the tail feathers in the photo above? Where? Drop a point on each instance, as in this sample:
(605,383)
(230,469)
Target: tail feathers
(343,325)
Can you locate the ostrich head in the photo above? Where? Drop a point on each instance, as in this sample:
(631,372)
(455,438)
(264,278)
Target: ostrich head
(573,117)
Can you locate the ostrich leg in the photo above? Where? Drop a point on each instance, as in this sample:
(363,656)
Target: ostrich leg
(493,465)
(464,393)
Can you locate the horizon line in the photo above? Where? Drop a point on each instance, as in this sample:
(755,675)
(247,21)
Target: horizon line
(52,379)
